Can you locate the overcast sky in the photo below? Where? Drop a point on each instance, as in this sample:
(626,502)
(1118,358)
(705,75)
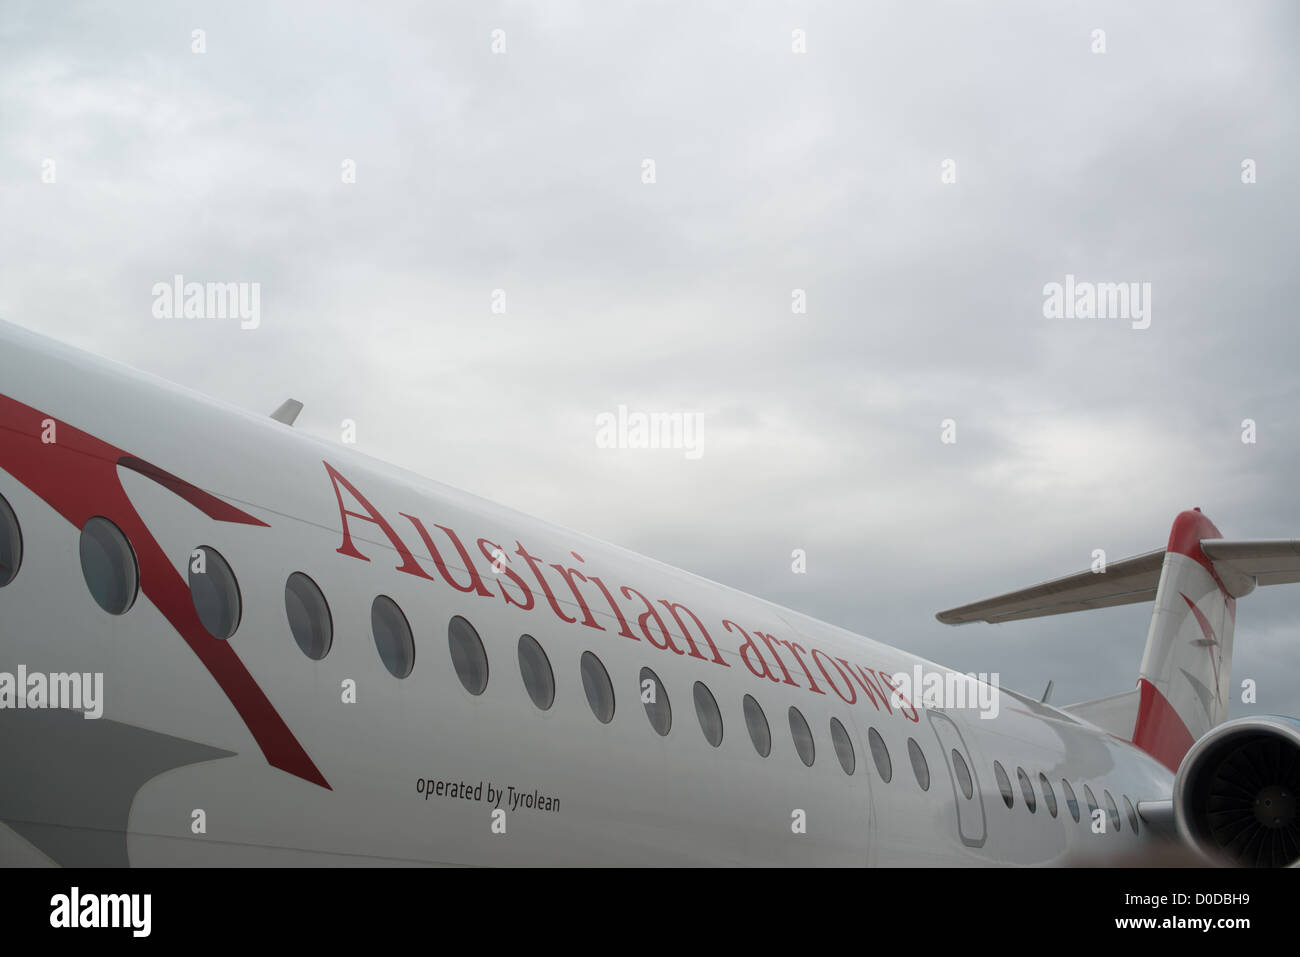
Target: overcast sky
(775,170)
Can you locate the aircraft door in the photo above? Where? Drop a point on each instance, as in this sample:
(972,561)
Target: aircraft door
(971,825)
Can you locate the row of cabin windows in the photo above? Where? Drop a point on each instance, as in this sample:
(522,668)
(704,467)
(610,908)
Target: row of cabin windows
(112,576)
(1049,797)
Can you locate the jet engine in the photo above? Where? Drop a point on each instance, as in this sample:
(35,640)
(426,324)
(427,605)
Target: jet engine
(1237,789)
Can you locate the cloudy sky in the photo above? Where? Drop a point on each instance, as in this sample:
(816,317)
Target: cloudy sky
(523,170)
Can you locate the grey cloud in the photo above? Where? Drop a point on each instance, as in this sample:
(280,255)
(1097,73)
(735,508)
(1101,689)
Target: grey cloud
(775,172)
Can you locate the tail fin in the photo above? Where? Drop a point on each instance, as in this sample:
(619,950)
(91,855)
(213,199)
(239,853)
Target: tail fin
(1184,679)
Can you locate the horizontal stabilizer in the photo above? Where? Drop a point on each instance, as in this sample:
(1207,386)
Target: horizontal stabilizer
(1269,562)
(1123,582)
(1239,565)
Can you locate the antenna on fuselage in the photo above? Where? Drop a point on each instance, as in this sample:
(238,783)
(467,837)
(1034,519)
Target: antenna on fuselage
(288,411)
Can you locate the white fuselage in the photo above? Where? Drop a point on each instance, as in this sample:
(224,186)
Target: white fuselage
(602,793)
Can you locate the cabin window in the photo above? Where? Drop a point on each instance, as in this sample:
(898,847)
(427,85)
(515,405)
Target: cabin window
(843,746)
(756,722)
(1049,796)
(309,616)
(109,566)
(1004,784)
(1092,803)
(655,699)
(919,766)
(880,754)
(1132,814)
(393,639)
(599,689)
(1071,801)
(1027,790)
(1112,812)
(706,709)
(11,544)
(803,739)
(467,655)
(215,592)
(963,774)
(535,669)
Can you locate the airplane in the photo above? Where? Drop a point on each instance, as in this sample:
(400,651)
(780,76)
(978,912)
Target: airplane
(226,642)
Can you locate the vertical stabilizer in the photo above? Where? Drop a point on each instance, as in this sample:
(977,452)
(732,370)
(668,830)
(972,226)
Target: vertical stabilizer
(1186,668)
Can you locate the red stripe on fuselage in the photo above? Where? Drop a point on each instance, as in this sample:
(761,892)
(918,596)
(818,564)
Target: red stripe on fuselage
(205,502)
(76,475)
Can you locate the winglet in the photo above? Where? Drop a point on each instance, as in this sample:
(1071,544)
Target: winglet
(288,411)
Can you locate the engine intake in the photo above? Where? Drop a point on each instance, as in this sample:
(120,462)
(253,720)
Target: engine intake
(1237,789)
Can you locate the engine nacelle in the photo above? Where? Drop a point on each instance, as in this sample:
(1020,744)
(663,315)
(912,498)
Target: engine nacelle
(1237,792)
